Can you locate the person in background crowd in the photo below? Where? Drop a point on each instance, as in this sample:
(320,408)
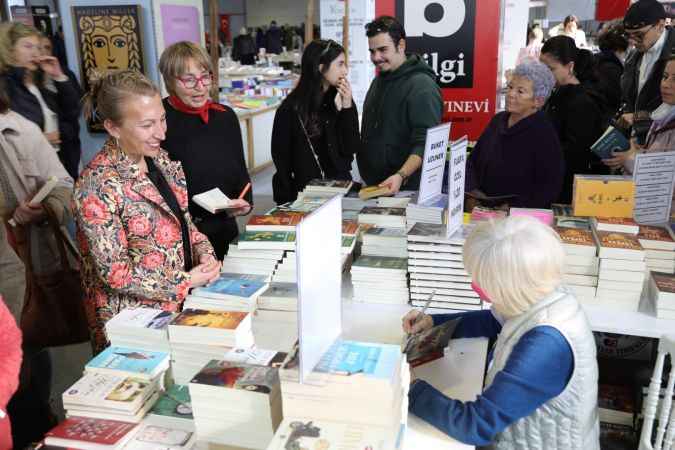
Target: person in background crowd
(504,163)
(287,34)
(575,111)
(609,63)
(316,129)
(260,39)
(27,160)
(71,149)
(205,137)
(297,40)
(570,27)
(243,48)
(25,70)
(138,244)
(541,386)
(10,364)
(59,46)
(535,38)
(403,101)
(273,39)
(645,28)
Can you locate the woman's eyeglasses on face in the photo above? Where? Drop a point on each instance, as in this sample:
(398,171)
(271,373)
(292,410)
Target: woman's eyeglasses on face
(190,82)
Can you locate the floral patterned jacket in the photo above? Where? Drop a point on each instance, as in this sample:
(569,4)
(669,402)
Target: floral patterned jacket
(130,241)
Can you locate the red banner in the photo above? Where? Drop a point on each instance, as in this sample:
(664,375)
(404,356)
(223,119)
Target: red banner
(610,9)
(473,67)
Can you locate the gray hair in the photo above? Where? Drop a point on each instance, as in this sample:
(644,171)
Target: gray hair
(539,74)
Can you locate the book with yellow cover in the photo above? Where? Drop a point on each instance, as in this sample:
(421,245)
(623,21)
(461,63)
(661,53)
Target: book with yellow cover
(604,196)
(227,320)
(372,192)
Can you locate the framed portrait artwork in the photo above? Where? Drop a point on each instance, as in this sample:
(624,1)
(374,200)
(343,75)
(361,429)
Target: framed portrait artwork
(108,38)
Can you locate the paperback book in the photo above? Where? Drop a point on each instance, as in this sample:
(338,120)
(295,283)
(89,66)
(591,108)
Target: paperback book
(123,361)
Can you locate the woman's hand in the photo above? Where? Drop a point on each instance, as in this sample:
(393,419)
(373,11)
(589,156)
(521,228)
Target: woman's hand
(345,91)
(204,273)
(619,158)
(53,137)
(241,207)
(416,322)
(50,65)
(25,213)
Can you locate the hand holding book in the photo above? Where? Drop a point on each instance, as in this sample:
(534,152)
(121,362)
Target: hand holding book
(416,322)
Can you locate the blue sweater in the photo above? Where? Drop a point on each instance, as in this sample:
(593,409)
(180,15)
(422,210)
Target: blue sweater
(537,370)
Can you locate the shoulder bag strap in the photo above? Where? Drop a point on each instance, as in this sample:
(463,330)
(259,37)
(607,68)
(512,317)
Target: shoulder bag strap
(309,141)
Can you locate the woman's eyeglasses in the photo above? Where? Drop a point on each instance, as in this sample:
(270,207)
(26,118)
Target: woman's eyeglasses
(190,82)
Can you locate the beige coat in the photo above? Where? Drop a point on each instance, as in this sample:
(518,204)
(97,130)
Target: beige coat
(12,274)
(30,161)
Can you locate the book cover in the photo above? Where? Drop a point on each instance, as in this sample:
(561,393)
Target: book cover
(306,434)
(174,402)
(612,140)
(236,375)
(108,391)
(348,241)
(378,211)
(651,233)
(561,210)
(576,236)
(154,437)
(350,227)
(385,232)
(87,430)
(581,223)
(545,216)
(278,220)
(430,344)
(381,262)
(609,239)
(369,192)
(153,319)
(233,287)
(319,184)
(281,290)
(627,221)
(255,356)
(226,320)
(603,195)
(480,213)
(278,212)
(267,236)
(243,277)
(129,360)
(665,282)
(373,360)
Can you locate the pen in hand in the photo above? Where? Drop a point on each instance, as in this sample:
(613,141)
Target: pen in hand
(244,191)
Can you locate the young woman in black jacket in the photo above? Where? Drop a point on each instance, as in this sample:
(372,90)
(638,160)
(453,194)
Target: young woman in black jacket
(25,69)
(575,108)
(316,128)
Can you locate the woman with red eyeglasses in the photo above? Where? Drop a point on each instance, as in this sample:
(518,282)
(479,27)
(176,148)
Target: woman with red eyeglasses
(206,138)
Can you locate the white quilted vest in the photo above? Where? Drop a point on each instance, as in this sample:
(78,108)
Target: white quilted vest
(570,420)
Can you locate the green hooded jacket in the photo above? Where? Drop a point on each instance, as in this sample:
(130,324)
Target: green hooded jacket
(399,108)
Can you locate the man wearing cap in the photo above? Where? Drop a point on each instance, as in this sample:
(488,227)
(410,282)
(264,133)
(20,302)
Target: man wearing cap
(645,28)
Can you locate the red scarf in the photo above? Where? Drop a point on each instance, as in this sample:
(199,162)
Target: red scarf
(202,112)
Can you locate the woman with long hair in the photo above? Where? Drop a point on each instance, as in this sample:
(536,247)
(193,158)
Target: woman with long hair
(316,129)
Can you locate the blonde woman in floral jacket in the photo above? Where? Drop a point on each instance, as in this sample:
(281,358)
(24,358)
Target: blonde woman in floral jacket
(138,243)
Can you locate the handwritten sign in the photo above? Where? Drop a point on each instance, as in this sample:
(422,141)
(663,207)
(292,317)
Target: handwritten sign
(603,196)
(653,176)
(433,165)
(456,177)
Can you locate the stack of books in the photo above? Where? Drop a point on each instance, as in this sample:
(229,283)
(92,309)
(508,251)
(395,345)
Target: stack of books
(545,216)
(368,378)
(565,219)
(326,188)
(198,336)
(481,213)
(383,217)
(287,271)
(380,279)
(251,262)
(142,328)
(152,437)
(173,409)
(230,292)
(236,404)
(436,267)
(616,404)
(433,211)
(662,294)
(130,362)
(273,222)
(275,323)
(616,224)
(622,270)
(385,242)
(351,206)
(581,261)
(89,433)
(266,240)
(110,396)
(659,248)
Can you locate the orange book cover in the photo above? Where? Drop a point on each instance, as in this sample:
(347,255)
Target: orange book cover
(350,227)
(576,236)
(649,233)
(665,282)
(285,220)
(609,239)
(603,196)
(226,320)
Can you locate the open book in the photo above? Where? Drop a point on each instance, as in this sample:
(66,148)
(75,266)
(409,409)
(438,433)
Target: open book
(44,191)
(214,201)
(429,345)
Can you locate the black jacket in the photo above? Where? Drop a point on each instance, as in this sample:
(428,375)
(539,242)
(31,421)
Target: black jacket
(609,70)
(292,154)
(273,38)
(578,119)
(650,95)
(65,103)
(243,45)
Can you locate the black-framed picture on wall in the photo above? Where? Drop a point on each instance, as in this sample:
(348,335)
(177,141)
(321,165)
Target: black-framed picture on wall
(108,38)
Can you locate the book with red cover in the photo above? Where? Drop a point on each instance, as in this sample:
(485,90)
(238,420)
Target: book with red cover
(656,238)
(273,223)
(88,433)
(350,227)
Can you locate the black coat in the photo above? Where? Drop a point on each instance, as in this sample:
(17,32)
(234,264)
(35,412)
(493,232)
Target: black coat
(578,119)
(292,154)
(650,95)
(243,48)
(65,103)
(609,69)
(273,38)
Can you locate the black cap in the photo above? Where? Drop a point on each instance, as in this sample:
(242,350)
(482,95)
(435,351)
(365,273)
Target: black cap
(643,13)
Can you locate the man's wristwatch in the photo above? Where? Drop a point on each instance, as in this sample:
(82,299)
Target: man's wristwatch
(403,175)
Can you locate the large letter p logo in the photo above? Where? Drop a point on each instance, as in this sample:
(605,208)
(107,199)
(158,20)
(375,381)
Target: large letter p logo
(416,24)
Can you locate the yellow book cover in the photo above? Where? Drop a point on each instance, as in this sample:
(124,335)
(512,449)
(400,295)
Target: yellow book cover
(603,196)
(227,320)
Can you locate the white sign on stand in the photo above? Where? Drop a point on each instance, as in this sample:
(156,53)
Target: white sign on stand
(653,174)
(433,164)
(456,180)
(319,262)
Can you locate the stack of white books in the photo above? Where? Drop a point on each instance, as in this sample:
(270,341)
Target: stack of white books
(266,240)
(616,224)
(275,322)
(385,242)
(662,294)
(110,396)
(131,362)
(173,409)
(659,248)
(198,336)
(351,206)
(437,269)
(383,217)
(287,271)
(236,404)
(142,328)
(622,270)
(581,261)
(326,188)
(354,383)
(380,279)
(432,211)
(230,292)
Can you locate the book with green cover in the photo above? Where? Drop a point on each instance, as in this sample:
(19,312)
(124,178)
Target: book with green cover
(381,262)
(612,140)
(175,402)
(267,236)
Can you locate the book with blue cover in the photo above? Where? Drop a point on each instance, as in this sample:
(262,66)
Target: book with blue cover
(232,286)
(612,140)
(125,361)
(375,361)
